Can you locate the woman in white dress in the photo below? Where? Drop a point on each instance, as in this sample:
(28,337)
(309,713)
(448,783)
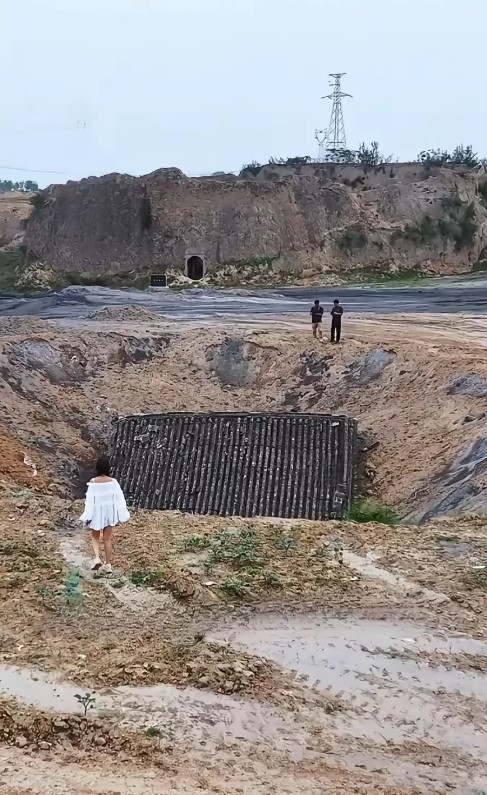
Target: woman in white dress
(105,507)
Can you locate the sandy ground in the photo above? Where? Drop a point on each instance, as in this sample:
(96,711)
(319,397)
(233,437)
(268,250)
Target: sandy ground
(370,674)
(230,655)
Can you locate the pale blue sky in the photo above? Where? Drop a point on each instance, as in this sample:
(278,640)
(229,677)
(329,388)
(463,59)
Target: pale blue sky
(94,86)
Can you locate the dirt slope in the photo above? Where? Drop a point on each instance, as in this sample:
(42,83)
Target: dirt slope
(416,385)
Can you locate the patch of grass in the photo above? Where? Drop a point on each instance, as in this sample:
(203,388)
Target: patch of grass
(47,594)
(422,232)
(240,549)
(258,262)
(71,593)
(286,543)
(236,586)
(194,543)
(145,578)
(480,266)
(459,226)
(397,278)
(364,511)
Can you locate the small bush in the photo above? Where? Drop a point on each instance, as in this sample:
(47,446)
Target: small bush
(194,543)
(286,543)
(145,578)
(235,586)
(364,511)
(38,201)
(467,228)
(87,701)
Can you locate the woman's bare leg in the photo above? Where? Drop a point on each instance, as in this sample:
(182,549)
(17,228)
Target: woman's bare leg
(95,542)
(108,544)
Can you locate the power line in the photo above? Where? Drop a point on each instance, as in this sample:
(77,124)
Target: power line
(33,170)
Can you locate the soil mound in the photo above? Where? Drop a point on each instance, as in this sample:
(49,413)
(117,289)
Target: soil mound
(24,325)
(125,314)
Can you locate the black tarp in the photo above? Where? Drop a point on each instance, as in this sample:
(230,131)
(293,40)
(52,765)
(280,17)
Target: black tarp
(285,465)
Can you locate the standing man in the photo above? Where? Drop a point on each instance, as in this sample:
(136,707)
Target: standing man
(316,313)
(336,321)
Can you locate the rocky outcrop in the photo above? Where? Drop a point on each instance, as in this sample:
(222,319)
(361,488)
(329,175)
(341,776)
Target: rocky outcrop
(307,220)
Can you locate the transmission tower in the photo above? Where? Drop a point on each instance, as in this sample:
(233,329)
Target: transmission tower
(333,139)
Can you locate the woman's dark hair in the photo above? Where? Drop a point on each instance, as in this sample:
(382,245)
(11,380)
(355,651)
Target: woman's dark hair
(102,467)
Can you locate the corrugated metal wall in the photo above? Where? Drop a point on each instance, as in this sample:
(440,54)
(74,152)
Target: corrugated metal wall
(288,465)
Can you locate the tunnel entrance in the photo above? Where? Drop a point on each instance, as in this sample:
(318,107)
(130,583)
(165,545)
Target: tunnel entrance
(195,267)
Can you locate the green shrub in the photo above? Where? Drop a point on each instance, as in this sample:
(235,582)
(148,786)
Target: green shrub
(145,578)
(235,586)
(286,543)
(194,543)
(364,510)
(467,228)
(352,240)
(38,201)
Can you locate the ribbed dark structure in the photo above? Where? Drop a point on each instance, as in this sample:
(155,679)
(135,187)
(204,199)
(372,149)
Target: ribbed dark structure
(288,465)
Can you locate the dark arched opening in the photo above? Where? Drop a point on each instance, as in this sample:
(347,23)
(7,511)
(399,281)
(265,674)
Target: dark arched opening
(195,268)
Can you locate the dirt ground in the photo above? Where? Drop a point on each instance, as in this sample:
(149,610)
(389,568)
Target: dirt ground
(236,655)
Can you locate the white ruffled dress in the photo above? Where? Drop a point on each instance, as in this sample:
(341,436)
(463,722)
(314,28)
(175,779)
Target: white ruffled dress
(105,505)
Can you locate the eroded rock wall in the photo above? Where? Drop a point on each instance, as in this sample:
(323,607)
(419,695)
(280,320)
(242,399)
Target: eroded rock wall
(305,220)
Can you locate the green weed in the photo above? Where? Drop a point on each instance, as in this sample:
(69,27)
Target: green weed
(87,701)
(72,593)
(235,586)
(38,201)
(46,593)
(239,549)
(286,543)
(364,511)
(195,543)
(145,578)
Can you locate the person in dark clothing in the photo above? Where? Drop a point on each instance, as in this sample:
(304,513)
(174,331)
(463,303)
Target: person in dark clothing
(336,321)
(316,313)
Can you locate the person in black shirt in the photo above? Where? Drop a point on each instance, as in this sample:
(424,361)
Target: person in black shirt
(336,321)
(316,313)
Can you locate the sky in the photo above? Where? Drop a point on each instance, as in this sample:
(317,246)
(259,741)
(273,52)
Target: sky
(95,86)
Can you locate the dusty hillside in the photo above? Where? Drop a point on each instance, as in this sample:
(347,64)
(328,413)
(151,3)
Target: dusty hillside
(419,399)
(281,226)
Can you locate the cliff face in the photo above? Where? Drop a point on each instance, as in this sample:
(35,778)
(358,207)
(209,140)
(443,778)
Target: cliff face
(306,221)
